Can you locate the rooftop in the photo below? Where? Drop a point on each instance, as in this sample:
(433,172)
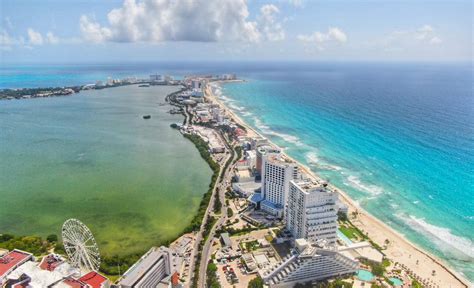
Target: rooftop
(94,279)
(143,266)
(71,282)
(50,262)
(312,186)
(12,259)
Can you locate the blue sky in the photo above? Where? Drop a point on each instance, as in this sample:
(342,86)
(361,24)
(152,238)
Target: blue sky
(156,30)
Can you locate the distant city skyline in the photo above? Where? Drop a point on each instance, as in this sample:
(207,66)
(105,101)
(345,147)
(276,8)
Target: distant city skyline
(235,30)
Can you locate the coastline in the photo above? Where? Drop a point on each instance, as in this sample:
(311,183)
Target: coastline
(400,249)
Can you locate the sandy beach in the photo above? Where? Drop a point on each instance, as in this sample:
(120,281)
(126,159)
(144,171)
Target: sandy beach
(399,250)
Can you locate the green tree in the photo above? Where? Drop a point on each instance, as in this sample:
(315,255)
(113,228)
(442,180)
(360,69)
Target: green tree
(52,238)
(378,270)
(256,283)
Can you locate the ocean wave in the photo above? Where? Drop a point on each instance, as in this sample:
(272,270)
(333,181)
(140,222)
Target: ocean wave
(312,158)
(442,237)
(235,107)
(355,182)
(266,130)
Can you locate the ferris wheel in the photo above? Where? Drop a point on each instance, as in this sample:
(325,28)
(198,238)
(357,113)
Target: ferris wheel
(80,245)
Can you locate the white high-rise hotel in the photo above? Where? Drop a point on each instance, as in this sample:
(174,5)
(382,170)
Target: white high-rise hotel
(276,176)
(312,212)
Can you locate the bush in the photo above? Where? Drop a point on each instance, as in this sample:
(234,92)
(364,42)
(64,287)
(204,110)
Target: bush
(32,244)
(256,283)
(52,238)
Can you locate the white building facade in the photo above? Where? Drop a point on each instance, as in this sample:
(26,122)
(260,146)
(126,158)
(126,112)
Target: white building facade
(308,265)
(277,174)
(311,212)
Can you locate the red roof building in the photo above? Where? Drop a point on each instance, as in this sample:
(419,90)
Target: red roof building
(11,261)
(50,262)
(95,280)
(74,283)
(175,279)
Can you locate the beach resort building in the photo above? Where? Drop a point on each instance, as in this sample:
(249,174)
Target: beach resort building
(261,152)
(309,263)
(311,212)
(276,177)
(153,269)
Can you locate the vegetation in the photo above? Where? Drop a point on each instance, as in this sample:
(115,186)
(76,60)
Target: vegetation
(257,282)
(377,269)
(342,217)
(238,149)
(230,213)
(212,280)
(33,244)
(203,149)
(115,265)
(250,246)
(232,231)
(338,283)
(217,204)
(205,234)
(416,284)
(226,165)
(52,238)
(351,232)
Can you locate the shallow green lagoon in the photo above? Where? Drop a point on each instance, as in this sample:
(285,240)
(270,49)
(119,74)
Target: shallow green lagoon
(92,156)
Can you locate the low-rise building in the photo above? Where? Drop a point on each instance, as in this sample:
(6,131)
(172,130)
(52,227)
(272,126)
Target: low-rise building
(12,260)
(309,263)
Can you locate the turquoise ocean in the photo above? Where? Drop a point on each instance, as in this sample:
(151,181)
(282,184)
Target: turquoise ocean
(398,138)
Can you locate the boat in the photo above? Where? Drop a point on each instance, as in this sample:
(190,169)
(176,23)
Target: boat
(144,85)
(146,116)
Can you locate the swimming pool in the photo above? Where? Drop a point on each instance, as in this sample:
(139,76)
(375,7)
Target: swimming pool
(396,282)
(365,275)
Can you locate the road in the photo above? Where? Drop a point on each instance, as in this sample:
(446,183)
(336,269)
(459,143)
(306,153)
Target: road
(222,188)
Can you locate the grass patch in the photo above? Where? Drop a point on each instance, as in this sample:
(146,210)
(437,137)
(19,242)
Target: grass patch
(351,233)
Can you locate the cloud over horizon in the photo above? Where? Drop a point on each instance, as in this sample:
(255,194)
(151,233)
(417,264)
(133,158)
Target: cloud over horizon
(194,21)
(320,40)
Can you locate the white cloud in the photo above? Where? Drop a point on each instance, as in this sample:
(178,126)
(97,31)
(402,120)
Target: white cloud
(51,38)
(34,38)
(6,41)
(427,34)
(404,39)
(334,35)
(189,20)
(91,31)
(270,28)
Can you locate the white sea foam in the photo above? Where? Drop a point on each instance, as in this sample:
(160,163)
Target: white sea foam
(312,158)
(442,237)
(394,205)
(416,202)
(266,130)
(355,182)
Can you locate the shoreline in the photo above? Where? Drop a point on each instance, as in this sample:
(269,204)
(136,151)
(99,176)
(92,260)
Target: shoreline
(399,250)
